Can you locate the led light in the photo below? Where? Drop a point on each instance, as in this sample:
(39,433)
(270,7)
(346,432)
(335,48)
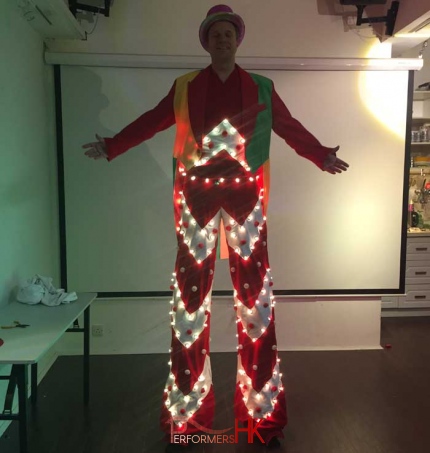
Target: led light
(193,178)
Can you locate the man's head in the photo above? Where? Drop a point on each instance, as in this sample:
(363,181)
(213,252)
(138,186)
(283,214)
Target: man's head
(224,15)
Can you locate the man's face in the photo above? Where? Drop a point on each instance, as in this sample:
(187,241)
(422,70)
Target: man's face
(222,42)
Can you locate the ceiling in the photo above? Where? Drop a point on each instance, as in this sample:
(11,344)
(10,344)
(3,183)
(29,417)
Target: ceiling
(411,36)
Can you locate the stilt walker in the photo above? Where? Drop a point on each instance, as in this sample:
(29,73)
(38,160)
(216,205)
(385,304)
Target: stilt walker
(224,117)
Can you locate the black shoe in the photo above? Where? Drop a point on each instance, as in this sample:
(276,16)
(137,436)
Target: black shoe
(177,448)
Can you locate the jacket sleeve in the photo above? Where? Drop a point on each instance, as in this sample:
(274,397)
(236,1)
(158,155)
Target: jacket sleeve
(295,134)
(143,128)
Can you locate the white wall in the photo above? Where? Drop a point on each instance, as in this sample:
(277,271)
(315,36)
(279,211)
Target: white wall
(28,188)
(274,28)
(313,323)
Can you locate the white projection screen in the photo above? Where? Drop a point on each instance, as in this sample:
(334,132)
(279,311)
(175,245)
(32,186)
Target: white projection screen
(337,234)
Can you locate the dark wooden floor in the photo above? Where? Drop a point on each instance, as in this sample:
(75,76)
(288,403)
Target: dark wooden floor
(338,402)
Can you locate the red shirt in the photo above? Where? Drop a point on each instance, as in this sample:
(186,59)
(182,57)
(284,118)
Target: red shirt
(223,99)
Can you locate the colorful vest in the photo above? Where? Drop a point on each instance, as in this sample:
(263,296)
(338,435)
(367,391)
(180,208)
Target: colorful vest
(186,147)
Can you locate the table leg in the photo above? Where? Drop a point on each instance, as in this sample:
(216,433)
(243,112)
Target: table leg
(21,374)
(33,384)
(87,355)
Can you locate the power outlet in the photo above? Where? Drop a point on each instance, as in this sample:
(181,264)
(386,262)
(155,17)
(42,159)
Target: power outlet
(97,330)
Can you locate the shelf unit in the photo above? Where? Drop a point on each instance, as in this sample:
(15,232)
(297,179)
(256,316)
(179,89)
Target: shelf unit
(418,248)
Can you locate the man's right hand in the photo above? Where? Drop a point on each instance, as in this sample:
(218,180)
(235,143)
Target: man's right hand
(96,150)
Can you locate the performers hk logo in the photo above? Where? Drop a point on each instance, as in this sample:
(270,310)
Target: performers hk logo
(178,428)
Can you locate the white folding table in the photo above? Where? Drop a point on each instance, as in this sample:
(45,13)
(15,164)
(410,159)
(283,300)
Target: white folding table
(23,346)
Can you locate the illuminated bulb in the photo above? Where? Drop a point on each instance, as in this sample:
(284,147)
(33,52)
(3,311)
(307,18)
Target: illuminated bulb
(257,302)
(232,130)
(171,302)
(233,235)
(187,399)
(258,396)
(251,178)
(193,178)
(232,222)
(254,340)
(242,140)
(225,121)
(249,312)
(242,229)
(207,180)
(237,180)
(216,130)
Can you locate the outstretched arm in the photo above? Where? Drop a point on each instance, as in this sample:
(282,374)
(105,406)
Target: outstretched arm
(301,140)
(143,128)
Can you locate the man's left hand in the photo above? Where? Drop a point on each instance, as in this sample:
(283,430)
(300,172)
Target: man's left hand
(333,164)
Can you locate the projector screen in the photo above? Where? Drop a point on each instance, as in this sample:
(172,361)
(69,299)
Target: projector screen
(327,234)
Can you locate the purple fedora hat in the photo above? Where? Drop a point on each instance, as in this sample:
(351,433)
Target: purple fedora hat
(216,14)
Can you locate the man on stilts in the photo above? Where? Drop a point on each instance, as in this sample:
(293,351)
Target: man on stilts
(224,117)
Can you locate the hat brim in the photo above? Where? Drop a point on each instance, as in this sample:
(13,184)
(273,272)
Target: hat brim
(234,18)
